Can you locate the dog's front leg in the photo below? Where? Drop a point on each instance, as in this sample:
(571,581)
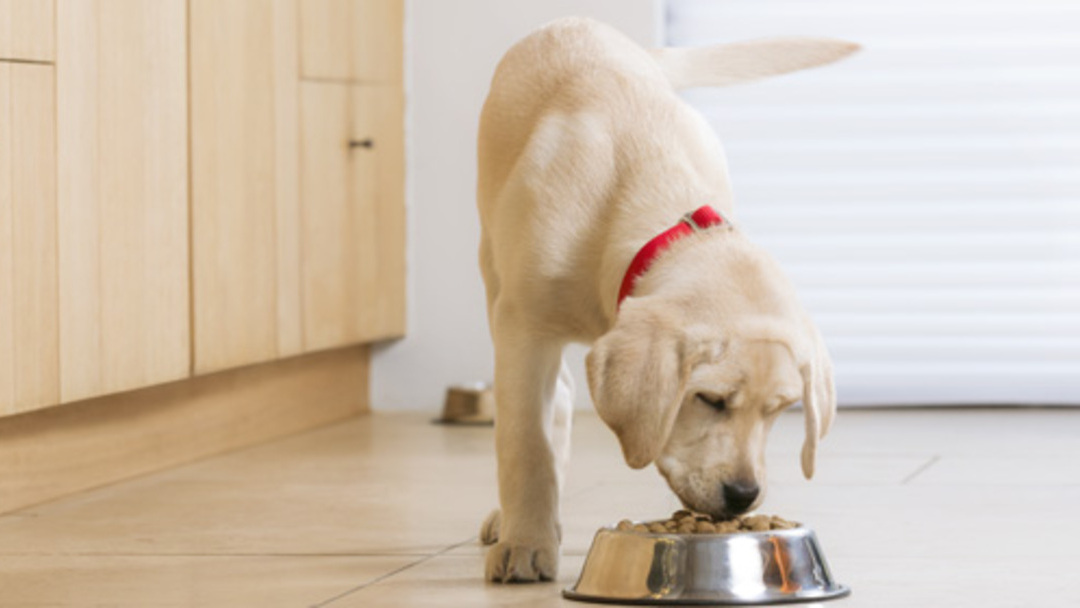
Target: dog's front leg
(526,370)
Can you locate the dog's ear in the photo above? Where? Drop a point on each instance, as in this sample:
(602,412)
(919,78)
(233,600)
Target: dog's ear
(637,376)
(737,62)
(819,399)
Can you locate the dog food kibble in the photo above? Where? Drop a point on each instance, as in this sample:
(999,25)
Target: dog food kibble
(757,523)
(685,522)
(705,527)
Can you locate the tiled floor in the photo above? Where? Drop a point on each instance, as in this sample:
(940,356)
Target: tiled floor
(914,508)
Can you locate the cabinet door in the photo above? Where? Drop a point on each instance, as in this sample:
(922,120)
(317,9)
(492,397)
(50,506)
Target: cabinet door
(245,189)
(352,40)
(353,216)
(26,29)
(121,78)
(29,360)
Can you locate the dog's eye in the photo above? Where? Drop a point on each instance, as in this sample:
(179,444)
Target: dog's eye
(717,403)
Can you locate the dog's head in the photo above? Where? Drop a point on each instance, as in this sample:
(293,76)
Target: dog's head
(693,379)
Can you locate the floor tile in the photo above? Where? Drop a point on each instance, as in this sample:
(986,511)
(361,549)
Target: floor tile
(947,431)
(839,469)
(332,491)
(387,448)
(945,522)
(998,471)
(182,517)
(913,507)
(123,581)
(970,583)
(456,581)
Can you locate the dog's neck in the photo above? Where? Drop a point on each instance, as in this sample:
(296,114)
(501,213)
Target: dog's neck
(702,218)
(679,251)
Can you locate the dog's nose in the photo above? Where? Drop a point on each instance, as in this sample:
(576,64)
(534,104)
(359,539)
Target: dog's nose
(739,496)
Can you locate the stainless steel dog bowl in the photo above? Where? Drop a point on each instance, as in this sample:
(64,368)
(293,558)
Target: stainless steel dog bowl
(737,568)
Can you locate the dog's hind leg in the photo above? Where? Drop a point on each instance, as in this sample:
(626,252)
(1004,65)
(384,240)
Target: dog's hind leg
(529,448)
(491,277)
(562,419)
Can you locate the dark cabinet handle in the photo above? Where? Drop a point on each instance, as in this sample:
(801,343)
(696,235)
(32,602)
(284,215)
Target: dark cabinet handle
(362,143)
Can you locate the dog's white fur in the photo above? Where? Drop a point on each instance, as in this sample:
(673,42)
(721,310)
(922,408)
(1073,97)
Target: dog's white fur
(586,153)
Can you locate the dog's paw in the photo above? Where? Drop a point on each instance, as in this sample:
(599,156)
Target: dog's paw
(489,530)
(522,562)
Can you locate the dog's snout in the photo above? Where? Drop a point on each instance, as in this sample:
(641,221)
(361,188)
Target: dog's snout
(739,496)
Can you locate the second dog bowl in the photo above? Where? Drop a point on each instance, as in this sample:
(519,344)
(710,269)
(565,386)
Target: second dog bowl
(469,404)
(737,568)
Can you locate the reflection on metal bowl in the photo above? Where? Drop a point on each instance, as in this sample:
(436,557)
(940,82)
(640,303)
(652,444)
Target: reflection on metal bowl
(738,568)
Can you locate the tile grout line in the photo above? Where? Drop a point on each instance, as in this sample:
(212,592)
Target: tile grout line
(395,572)
(922,469)
(213,555)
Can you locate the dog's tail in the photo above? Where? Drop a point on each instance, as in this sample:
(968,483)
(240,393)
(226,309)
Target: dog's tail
(726,64)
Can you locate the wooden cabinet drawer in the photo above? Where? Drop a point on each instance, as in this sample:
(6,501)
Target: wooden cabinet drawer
(352,40)
(27,30)
(29,359)
(352,213)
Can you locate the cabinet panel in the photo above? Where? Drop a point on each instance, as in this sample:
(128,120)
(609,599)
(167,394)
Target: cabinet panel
(377,184)
(245,190)
(26,29)
(121,77)
(29,359)
(355,40)
(353,220)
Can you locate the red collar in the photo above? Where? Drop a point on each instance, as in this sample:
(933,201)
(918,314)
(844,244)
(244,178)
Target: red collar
(700,219)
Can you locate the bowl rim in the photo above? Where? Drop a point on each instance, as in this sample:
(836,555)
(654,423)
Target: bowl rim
(797,530)
(836,592)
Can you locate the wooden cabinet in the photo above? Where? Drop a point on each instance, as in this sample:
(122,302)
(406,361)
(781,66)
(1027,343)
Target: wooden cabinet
(351,40)
(176,198)
(352,173)
(121,78)
(298,236)
(29,360)
(245,182)
(26,30)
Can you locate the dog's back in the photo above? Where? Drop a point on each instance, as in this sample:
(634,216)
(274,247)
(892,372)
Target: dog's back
(566,66)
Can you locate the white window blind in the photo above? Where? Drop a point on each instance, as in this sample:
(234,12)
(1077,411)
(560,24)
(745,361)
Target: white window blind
(924,195)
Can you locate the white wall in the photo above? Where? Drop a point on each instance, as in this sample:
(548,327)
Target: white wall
(452,48)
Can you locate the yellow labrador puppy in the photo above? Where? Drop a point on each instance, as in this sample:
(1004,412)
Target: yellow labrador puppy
(587,161)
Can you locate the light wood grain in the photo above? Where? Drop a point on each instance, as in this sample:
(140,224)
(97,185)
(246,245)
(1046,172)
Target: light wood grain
(245,196)
(123,194)
(27,30)
(353,214)
(352,40)
(58,451)
(327,243)
(29,359)
(287,173)
(7,251)
(378,187)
